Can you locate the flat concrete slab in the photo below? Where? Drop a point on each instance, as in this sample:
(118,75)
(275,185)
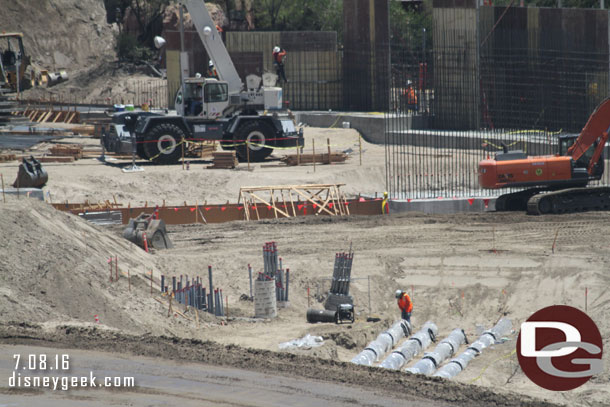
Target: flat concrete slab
(371,126)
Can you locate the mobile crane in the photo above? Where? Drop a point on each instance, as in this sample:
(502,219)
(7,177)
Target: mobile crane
(555,183)
(209,109)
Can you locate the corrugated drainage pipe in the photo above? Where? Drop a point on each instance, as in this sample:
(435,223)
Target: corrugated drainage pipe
(455,366)
(443,351)
(411,347)
(384,342)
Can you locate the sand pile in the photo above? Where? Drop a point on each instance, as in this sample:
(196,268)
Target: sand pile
(54,268)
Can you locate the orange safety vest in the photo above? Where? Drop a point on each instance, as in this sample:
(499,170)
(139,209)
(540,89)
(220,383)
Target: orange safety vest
(279,56)
(405,303)
(411,96)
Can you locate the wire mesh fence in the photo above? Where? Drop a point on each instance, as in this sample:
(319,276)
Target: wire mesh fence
(479,91)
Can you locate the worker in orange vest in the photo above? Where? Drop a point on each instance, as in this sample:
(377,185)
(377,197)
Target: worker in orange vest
(212,73)
(405,304)
(279,56)
(411,96)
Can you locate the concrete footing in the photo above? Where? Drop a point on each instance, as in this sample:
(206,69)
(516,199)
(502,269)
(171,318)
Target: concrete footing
(26,192)
(443,205)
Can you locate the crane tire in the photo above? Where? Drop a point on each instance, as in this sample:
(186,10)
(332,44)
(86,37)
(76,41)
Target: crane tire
(162,143)
(258,133)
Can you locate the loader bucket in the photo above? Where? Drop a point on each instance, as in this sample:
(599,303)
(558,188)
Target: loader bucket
(31,174)
(156,234)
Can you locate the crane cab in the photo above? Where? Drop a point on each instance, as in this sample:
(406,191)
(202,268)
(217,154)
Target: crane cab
(206,98)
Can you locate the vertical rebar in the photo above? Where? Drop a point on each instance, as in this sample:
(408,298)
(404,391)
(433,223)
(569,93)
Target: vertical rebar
(211,302)
(250,277)
(287,284)
(221,304)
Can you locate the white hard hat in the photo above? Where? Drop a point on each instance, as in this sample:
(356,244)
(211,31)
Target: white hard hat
(409,82)
(197,75)
(211,64)
(276,49)
(398,293)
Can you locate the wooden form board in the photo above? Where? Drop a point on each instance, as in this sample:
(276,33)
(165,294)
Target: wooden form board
(217,213)
(326,199)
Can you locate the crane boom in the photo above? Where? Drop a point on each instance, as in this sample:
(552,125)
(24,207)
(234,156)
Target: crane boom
(212,41)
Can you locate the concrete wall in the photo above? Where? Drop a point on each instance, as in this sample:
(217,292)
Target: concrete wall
(543,67)
(366,55)
(455,67)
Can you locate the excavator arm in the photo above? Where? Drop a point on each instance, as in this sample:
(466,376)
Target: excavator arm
(596,130)
(598,152)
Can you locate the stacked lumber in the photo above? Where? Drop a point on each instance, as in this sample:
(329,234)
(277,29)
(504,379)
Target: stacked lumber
(71,150)
(296,159)
(101,205)
(201,150)
(56,159)
(207,149)
(7,157)
(224,160)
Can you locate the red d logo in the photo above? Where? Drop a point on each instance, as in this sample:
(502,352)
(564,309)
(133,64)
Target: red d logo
(560,348)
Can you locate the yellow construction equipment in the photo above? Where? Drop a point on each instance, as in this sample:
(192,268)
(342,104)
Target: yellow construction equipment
(16,69)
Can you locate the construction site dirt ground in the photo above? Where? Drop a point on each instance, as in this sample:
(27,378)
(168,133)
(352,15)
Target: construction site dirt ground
(463,271)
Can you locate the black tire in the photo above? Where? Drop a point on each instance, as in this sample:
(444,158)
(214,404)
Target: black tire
(162,144)
(256,132)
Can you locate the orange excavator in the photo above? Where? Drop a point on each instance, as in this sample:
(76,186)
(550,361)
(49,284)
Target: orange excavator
(554,183)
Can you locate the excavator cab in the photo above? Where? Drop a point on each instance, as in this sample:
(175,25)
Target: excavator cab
(580,166)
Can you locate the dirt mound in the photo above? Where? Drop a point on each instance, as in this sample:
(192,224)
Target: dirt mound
(54,267)
(70,34)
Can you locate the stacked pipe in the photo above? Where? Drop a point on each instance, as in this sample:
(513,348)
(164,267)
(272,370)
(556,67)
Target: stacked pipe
(455,366)
(443,351)
(339,286)
(273,269)
(341,273)
(411,347)
(193,293)
(384,342)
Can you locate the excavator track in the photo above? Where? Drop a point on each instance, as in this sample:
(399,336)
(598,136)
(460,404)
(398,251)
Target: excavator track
(515,201)
(570,200)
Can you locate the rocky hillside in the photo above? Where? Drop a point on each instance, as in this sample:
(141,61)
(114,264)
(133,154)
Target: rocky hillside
(70,34)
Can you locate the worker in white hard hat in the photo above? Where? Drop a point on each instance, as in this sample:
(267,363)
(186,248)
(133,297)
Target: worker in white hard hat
(212,73)
(405,304)
(279,56)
